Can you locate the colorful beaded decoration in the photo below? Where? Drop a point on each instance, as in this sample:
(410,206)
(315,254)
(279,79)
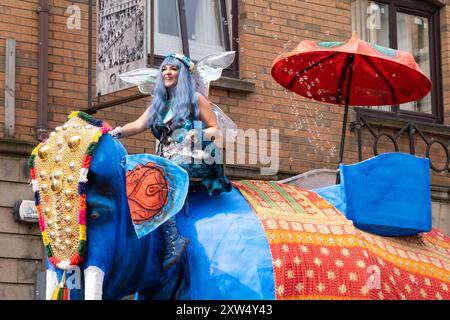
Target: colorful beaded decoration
(185,60)
(59,168)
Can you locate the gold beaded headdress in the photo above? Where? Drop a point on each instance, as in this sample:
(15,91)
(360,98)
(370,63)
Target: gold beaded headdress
(59,168)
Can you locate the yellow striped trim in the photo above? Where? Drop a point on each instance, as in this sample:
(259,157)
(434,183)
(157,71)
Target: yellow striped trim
(97,136)
(399,244)
(401,264)
(82,232)
(292,237)
(35,150)
(72,114)
(45,238)
(438,242)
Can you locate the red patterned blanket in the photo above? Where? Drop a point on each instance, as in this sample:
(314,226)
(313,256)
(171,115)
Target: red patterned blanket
(318,254)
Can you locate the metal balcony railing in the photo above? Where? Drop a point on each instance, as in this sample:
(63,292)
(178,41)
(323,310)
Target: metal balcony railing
(398,128)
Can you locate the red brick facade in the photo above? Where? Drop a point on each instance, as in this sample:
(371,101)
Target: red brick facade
(266,29)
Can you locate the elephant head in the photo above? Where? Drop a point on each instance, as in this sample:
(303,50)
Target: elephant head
(113,261)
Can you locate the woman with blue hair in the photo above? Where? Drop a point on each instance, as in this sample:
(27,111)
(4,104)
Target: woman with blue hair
(178,117)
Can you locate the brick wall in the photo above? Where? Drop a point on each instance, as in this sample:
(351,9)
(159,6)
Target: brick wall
(18,20)
(445,52)
(21,248)
(267,28)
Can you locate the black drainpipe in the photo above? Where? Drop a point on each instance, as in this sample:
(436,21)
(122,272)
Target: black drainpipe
(43,71)
(90,54)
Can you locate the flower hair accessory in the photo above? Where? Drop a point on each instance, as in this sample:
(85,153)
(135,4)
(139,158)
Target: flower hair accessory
(185,60)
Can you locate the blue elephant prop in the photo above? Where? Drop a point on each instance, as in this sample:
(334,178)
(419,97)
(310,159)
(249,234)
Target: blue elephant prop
(261,241)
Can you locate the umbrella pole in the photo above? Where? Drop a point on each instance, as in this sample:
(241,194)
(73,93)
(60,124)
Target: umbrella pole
(349,63)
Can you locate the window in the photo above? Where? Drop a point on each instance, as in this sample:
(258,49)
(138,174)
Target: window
(411,26)
(194,27)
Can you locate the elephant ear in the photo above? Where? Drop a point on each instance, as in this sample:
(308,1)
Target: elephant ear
(156,190)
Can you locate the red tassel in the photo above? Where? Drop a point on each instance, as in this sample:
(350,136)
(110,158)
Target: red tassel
(61,291)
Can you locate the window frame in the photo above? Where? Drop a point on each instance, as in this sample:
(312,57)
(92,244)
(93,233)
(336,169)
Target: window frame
(233,70)
(428,9)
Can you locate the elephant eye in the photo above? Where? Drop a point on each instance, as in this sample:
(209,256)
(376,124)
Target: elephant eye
(95,215)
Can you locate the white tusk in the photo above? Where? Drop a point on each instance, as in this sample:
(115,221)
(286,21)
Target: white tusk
(93,283)
(51,281)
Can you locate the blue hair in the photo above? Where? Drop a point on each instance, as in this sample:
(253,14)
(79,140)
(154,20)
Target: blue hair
(184,100)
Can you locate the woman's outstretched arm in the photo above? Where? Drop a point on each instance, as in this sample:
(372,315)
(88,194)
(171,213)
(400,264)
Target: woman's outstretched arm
(137,126)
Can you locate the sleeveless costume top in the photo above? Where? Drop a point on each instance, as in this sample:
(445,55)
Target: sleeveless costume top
(174,148)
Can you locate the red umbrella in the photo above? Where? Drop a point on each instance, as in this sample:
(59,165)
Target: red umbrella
(351,73)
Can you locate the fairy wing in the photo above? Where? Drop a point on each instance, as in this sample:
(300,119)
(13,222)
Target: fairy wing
(226,125)
(210,69)
(144,78)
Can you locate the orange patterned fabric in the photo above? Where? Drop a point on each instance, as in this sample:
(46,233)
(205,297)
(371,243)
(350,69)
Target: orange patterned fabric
(318,254)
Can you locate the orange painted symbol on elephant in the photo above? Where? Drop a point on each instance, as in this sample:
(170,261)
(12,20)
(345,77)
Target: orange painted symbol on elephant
(147,191)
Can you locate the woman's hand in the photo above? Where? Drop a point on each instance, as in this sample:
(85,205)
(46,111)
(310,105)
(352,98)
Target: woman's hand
(116,132)
(192,136)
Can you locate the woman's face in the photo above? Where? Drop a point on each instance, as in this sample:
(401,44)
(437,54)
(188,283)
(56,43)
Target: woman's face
(170,75)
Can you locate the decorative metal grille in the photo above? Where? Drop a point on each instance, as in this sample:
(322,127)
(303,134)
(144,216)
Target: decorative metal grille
(408,128)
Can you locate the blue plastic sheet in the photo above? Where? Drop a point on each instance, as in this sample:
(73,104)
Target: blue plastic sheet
(229,255)
(334,195)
